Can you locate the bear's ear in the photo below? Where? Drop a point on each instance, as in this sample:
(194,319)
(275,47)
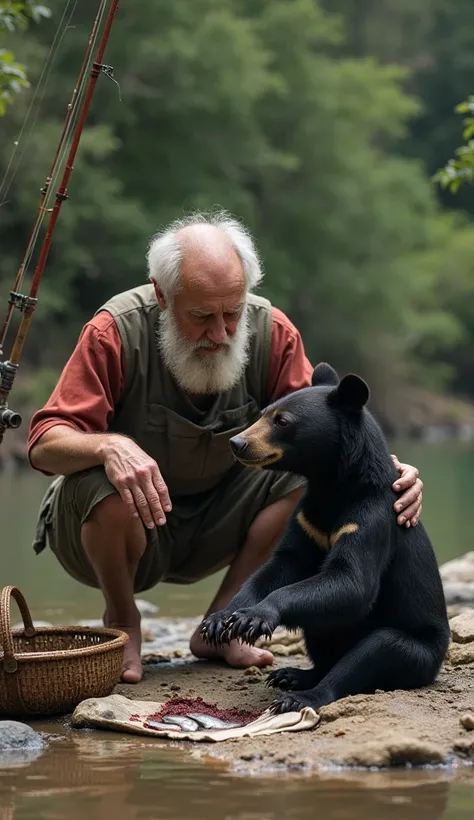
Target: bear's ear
(324,374)
(351,393)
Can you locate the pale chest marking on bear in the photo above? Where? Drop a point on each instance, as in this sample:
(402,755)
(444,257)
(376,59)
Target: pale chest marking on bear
(320,538)
(324,541)
(347,529)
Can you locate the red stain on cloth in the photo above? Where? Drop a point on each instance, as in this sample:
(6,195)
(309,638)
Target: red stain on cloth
(185,706)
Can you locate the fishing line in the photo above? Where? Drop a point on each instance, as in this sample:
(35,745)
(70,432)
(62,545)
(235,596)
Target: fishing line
(26,303)
(62,149)
(65,143)
(57,40)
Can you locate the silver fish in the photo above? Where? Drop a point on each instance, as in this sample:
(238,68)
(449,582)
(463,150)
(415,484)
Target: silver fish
(167,727)
(209,722)
(185,723)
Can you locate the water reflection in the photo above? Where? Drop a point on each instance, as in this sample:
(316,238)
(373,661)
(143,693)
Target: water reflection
(91,775)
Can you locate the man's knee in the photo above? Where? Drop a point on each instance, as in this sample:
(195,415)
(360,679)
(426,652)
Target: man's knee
(110,522)
(271,522)
(110,512)
(292,498)
(282,508)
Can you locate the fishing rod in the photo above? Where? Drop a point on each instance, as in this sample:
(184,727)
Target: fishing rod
(26,303)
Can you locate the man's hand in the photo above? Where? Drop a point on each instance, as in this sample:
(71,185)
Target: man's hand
(137,478)
(408,506)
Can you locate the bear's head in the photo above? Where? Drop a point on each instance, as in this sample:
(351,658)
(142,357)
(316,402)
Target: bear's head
(303,432)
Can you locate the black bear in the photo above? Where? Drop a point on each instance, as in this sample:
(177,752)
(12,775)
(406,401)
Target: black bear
(366,592)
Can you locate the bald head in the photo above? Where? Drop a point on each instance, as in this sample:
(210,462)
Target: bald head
(210,264)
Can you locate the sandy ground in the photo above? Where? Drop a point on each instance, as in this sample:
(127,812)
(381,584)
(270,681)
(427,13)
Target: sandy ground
(425,727)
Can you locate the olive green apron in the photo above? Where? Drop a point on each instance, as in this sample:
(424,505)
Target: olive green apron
(190,445)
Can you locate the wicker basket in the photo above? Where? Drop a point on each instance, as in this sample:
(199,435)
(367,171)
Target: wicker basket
(49,670)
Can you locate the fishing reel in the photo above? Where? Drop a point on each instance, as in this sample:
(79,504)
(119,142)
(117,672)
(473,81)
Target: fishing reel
(8,418)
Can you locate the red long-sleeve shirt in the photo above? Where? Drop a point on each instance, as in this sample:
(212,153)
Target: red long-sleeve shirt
(92,380)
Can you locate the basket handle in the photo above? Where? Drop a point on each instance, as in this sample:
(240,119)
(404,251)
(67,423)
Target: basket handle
(10,664)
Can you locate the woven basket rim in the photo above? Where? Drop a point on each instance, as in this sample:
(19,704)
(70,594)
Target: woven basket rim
(118,638)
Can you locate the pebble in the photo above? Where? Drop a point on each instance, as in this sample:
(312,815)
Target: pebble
(467,721)
(461,653)
(254,671)
(146,607)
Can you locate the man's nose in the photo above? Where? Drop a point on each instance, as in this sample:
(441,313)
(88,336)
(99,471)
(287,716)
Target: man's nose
(238,444)
(217,333)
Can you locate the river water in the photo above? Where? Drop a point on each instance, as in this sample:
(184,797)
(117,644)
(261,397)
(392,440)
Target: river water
(90,775)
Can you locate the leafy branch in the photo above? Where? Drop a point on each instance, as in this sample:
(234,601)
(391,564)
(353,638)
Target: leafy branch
(15,17)
(461,169)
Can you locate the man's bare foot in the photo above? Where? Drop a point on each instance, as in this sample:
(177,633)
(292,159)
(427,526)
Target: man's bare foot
(132,671)
(234,653)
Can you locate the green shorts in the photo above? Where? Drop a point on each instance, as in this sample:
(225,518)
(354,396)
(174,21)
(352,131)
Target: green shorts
(202,535)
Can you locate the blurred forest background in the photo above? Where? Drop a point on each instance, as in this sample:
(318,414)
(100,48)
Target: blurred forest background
(320,124)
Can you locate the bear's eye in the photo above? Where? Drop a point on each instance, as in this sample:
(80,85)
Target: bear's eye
(281,421)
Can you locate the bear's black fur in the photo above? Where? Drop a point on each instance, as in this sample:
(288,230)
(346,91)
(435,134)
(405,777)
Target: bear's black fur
(366,592)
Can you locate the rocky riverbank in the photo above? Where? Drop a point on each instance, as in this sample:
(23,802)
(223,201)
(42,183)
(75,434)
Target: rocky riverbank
(429,727)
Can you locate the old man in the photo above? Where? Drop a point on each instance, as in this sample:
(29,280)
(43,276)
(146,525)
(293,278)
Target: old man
(137,429)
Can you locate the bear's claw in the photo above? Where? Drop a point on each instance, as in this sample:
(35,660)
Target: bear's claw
(247,626)
(213,631)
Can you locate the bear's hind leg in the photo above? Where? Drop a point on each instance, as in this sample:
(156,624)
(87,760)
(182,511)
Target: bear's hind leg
(384,659)
(293,679)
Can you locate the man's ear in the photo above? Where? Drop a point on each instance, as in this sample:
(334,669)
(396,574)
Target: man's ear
(324,374)
(159,296)
(352,393)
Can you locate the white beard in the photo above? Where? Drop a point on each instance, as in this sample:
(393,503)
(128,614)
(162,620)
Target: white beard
(197,374)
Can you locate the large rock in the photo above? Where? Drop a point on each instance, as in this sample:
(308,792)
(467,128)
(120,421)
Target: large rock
(458,579)
(459,569)
(18,736)
(459,654)
(462,627)
(397,750)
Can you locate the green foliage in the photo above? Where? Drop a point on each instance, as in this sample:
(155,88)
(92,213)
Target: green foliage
(15,17)
(460,170)
(287,115)
(449,262)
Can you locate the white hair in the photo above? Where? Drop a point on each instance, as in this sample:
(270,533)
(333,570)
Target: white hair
(164,253)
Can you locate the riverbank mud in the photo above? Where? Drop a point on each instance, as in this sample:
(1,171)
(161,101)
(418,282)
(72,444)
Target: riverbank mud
(429,727)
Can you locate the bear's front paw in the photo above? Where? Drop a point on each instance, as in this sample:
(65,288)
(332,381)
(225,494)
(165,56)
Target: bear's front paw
(213,628)
(290,703)
(251,623)
(315,698)
(292,679)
